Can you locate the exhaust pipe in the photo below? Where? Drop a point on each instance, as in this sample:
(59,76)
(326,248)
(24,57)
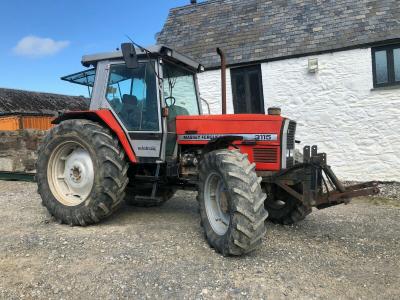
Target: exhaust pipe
(223,79)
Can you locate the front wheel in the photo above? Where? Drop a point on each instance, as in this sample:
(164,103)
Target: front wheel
(284,209)
(81,172)
(231,202)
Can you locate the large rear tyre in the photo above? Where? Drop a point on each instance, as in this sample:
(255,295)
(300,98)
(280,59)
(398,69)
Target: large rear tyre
(81,172)
(285,209)
(231,202)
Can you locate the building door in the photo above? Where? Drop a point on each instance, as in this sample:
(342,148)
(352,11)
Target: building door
(247,90)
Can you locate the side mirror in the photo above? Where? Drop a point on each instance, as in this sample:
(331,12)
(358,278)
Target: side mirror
(129,54)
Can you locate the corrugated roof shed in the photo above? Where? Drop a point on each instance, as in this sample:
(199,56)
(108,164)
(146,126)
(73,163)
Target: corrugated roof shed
(34,103)
(257,30)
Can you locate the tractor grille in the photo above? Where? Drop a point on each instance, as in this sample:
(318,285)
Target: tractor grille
(291,143)
(265,155)
(291,135)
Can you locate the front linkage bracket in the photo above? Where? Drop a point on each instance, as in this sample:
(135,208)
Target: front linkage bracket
(320,186)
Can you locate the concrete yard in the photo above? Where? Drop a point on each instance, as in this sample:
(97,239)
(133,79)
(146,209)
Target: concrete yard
(342,252)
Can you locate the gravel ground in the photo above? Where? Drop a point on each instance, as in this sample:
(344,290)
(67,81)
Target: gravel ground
(342,252)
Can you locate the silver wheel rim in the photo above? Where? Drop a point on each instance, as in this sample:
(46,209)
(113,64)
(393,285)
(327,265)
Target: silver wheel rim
(216,203)
(70,173)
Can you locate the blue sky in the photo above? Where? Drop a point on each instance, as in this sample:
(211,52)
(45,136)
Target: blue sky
(42,40)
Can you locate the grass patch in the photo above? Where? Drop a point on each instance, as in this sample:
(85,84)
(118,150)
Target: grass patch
(378,201)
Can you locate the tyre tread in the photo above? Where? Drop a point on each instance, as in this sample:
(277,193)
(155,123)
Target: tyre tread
(247,213)
(109,191)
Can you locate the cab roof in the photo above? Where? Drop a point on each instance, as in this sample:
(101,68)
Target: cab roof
(155,51)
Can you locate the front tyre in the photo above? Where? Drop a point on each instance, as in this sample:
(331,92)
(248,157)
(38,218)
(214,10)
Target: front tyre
(81,172)
(284,209)
(231,202)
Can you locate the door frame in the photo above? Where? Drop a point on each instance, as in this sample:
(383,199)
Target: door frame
(136,138)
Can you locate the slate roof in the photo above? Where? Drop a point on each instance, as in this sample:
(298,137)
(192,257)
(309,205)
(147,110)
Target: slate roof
(34,103)
(257,30)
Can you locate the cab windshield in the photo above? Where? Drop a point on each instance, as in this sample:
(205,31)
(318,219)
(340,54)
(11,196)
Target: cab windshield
(180,90)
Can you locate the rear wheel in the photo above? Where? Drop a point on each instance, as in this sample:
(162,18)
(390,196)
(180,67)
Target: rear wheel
(81,172)
(285,209)
(231,202)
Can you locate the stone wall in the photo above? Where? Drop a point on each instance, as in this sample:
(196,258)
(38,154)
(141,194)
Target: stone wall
(336,108)
(18,150)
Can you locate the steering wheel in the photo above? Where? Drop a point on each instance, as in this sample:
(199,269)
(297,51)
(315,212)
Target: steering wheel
(173,101)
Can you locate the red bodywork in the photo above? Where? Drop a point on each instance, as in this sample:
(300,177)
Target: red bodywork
(265,153)
(106,117)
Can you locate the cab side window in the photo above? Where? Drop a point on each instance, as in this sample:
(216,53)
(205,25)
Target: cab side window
(132,93)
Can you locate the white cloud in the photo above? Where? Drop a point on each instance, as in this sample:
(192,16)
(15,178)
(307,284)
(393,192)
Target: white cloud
(34,46)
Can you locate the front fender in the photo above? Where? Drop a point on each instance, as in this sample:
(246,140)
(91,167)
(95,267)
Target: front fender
(222,142)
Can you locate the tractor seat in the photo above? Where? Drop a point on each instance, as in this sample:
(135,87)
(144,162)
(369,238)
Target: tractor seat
(129,100)
(130,112)
(174,111)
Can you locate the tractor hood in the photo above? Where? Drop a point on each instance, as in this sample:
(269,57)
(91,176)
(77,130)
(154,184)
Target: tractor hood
(255,127)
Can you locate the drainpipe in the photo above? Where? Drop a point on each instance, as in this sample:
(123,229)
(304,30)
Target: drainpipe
(223,79)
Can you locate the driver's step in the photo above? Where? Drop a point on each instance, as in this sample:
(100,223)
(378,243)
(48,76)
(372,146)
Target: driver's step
(145,178)
(148,201)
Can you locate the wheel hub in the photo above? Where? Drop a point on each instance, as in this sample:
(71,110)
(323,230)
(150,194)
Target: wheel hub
(75,174)
(223,201)
(216,203)
(71,174)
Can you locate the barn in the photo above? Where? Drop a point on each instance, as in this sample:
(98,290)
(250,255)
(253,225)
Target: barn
(333,66)
(24,118)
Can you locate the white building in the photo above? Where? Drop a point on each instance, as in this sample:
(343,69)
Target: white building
(333,66)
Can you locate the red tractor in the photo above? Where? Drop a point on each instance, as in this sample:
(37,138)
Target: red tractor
(145,137)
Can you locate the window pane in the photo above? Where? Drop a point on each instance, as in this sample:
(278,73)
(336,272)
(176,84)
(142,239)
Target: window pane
(396,56)
(255,90)
(132,93)
(179,91)
(86,77)
(240,93)
(381,67)
(247,90)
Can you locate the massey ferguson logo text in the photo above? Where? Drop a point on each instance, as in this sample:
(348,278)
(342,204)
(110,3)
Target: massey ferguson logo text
(208,137)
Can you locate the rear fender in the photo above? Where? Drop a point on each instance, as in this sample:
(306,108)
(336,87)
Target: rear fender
(106,118)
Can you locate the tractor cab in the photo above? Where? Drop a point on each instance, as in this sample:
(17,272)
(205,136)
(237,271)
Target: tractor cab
(144,95)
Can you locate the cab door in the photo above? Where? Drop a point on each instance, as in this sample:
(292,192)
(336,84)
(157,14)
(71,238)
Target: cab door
(132,95)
